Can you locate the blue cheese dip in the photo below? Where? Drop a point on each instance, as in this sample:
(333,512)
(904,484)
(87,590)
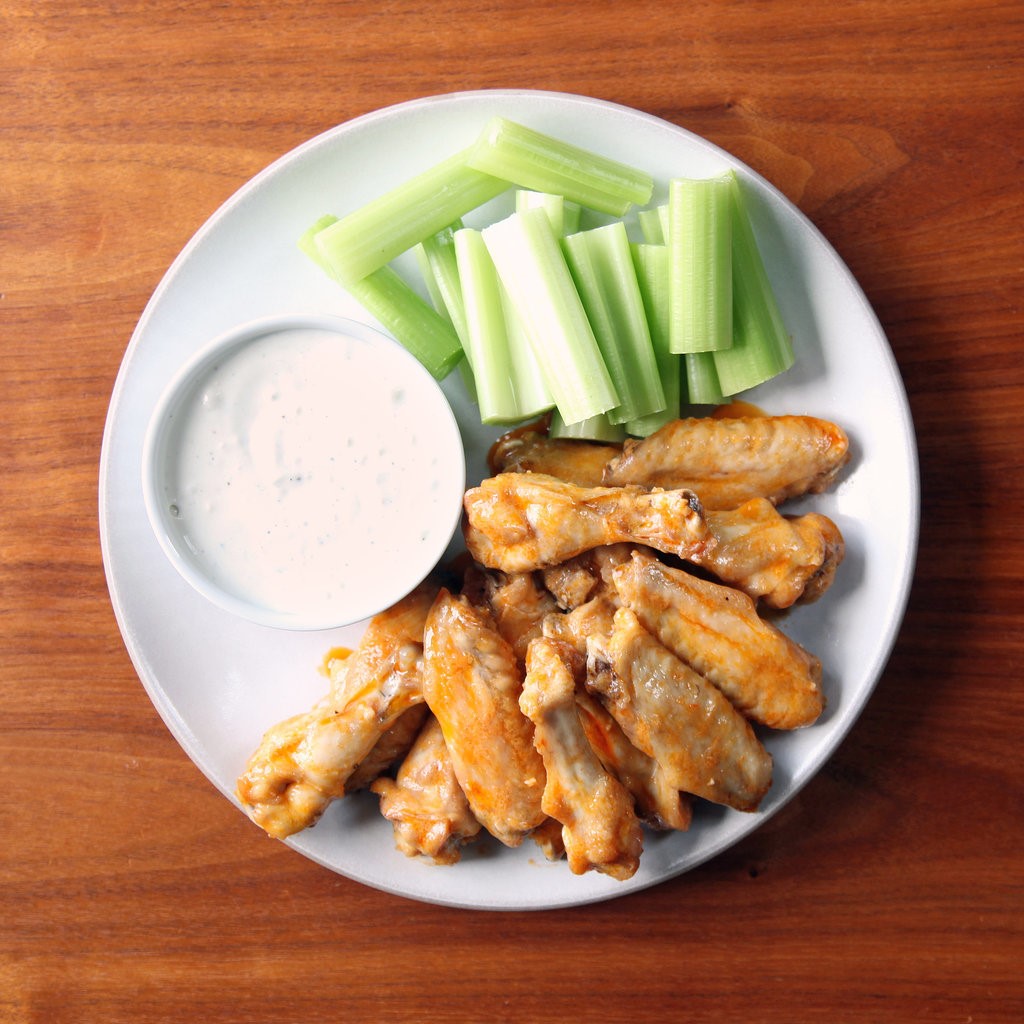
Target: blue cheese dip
(313,474)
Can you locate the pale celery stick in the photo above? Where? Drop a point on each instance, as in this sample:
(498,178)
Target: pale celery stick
(374,234)
(761,347)
(700,264)
(538,162)
(651,262)
(398,308)
(564,215)
(601,263)
(537,281)
(437,252)
(533,395)
(486,341)
(652,224)
(595,428)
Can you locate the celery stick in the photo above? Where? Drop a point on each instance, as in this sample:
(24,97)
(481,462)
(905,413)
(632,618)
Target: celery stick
(652,225)
(486,340)
(540,288)
(400,311)
(410,319)
(594,428)
(702,387)
(532,392)
(651,262)
(564,215)
(438,253)
(385,227)
(535,161)
(761,347)
(601,263)
(700,266)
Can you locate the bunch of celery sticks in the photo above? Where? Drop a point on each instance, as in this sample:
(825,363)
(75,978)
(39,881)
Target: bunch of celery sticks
(543,314)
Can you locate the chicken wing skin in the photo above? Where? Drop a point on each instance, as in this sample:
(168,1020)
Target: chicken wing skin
(728,461)
(595,618)
(518,522)
(472,682)
(777,559)
(424,802)
(517,601)
(658,803)
(582,578)
(305,762)
(668,710)
(599,828)
(767,676)
(389,749)
(529,449)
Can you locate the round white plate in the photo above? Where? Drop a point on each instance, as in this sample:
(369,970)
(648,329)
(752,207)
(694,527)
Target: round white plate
(219,682)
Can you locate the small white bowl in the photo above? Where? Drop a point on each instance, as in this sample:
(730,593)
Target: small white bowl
(303,472)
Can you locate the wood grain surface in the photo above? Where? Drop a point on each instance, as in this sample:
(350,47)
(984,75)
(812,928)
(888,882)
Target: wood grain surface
(890,889)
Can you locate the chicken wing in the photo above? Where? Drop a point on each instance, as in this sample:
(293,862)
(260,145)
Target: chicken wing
(730,461)
(472,682)
(518,522)
(668,710)
(424,802)
(599,828)
(529,449)
(658,803)
(305,762)
(582,578)
(389,749)
(595,618)
(517,601)
(717,630)
(777,559)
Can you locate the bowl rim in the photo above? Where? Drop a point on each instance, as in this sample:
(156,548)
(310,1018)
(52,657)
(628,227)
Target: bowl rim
(158,431)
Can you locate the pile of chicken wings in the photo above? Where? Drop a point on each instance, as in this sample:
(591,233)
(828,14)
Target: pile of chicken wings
(606,655)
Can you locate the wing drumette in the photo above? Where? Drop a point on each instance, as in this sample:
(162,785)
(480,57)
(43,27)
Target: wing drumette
(518,522)
(599,828)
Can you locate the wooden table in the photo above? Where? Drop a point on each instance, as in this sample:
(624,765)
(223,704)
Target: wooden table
(889,890)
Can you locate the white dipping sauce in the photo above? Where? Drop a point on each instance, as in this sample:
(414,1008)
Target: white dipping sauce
(313,474)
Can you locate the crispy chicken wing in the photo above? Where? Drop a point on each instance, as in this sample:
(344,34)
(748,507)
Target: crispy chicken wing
(472,682)
(673,714)
(730,461)
(777,559)
(529,449)
(389,749)
(305,762)
(424,802)
(658,803)
(599,828)
(717,630)
(518,522)
(595,618)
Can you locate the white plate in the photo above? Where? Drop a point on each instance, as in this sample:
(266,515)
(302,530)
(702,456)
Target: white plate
(219,681)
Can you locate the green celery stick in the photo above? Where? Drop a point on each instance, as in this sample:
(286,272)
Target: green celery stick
(400,310)
(601,263)
(535,276)
(374,234)
(486,339)
(761,347)
(440,269)
(700,266)
(535,161)
(651,262)
(702,387)
(653,223)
